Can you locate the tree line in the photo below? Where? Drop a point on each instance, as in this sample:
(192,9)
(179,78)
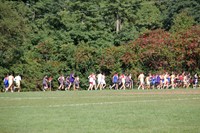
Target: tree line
(53,37)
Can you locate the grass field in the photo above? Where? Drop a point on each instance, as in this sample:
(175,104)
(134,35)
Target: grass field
(156,111)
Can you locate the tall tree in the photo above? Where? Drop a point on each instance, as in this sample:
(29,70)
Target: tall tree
(182,22)
(148,17)
(173,7)
(13,32)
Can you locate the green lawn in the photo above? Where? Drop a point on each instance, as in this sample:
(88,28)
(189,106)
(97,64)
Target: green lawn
(166,111)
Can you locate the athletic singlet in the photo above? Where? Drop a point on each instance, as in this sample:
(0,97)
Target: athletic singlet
(115,79)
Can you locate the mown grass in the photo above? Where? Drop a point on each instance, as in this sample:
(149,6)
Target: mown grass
(101,112)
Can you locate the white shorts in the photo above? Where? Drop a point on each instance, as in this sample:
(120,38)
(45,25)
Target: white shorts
(10,82)
(99,82)
(103,82)
(94,82)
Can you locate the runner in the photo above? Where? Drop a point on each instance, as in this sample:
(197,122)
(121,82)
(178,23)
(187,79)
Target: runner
(115,81)
(5,82)
(166,80)
(128,81)
(188,80)
(173,80)
(195,81)
(77,82)
(50,82)
(103,81)
(158,81)
(91,81)
(45,83)
(99,81)
(67,82)
(131,81)
(162,81)
(147,79)
(61,82)
(94,81)
(10,82)
(123,77)
(71,79)
(17,80)
(141,79)
(153,81)
(185,83)
(180,84)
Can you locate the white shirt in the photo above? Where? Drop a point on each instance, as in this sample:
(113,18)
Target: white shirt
(17,78)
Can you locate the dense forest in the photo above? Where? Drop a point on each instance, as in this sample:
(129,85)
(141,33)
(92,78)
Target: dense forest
(53,37)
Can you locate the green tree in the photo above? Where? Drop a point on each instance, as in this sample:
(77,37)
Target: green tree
(148,17)
(13,29)
(173,7)
(120,18)
(182,22)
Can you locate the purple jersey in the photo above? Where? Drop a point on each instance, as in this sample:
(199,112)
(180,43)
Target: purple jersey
(71,78)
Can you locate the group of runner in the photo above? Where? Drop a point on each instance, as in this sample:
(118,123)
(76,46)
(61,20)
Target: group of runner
(12,83)
(121,82)
(101,83)
(65,83)
(166,81)
(151,81)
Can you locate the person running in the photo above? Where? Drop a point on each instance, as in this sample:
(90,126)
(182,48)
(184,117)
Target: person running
(115,81)
(77,82)
(5,82)
(173,80)
(153,81)
(45,83)
(67,82)
(185,83)
(162,81)
(91,81)
(10,82)
(141,80)
(99,81)
(188,80)
(180,84)
(17,80)
(131,81)
(50,82)
(61,82)
(128,81)
(94,82)
(195,81)
(71,79)
(166,81)
(148,83)
(176,81)
(158,81)
(123,80)
(103,81)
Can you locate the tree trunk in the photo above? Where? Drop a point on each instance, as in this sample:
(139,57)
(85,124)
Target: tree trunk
(118,24)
